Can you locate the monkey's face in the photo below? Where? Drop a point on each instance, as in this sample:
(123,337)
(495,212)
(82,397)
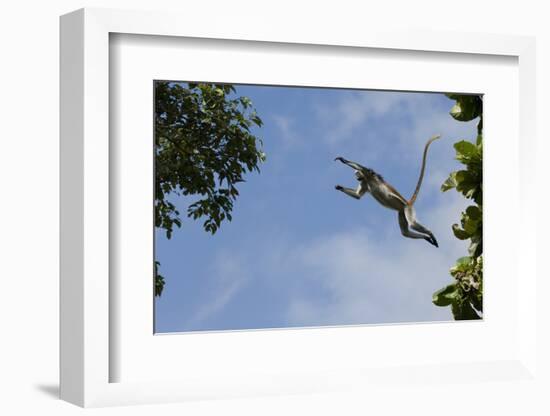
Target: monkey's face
(359,175)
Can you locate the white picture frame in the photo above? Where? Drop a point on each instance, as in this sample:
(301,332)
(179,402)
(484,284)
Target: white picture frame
(87,356)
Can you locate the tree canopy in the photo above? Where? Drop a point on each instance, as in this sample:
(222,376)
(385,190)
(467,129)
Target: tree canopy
(204,145)
(465,294)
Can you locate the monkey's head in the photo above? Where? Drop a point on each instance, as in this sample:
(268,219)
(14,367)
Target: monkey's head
(368,174)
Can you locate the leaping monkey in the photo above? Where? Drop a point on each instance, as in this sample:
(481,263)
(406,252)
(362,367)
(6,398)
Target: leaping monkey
(387,195)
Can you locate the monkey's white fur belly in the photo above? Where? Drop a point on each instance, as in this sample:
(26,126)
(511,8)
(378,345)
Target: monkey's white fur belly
(386,197)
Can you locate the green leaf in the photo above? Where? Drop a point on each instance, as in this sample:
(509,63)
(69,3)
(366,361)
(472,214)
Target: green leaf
(461,265)
(464,261)
(465,149)
(473,212)
(460,233)
(446,296)
(466,108)
(468,183)
(159,280)
(456,111)
(449,183)
(470,226)
(463,176)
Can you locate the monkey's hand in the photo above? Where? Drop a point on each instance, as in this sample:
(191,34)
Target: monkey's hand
(338,187)
(341,159)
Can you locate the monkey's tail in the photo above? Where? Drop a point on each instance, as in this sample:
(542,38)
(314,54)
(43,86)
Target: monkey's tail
(419,184)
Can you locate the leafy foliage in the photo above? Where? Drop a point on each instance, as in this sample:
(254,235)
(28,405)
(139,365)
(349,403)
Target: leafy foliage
(467,107)
(203,146)
(465,294)
(159,280)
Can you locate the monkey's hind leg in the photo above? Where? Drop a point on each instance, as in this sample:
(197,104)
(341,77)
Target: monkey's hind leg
(404,226)
(415,225)
(419,227)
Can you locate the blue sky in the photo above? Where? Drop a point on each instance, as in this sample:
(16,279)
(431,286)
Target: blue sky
(299,253)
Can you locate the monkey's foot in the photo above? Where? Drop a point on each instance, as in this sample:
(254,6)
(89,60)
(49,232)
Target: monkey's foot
(340,158)
(432,241)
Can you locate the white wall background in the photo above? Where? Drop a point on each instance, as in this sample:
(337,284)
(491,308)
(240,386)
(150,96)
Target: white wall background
(29,188)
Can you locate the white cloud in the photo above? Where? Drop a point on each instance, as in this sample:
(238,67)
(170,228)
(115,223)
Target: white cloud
(353,276)
(426,122)
(347,117)
(368,278)
(287,132)
(229,275)
(363,118)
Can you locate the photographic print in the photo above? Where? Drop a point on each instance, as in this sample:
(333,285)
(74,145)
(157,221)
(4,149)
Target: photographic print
(292,207)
